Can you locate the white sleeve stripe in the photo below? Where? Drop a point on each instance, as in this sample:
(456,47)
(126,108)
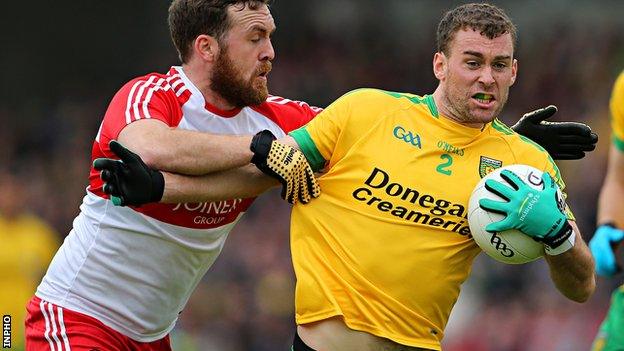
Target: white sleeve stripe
(181,91)
(137,106)
(129,103)
(63,331)
(54,329)
(137,99)
(278,100)
(177,83)
(97,136)
(148,97)
(47,324)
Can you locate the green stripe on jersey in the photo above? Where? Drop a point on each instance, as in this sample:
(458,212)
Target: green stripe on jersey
(501,127)
(619,143)
(550,159)
(427,99)
(305,142)
(432,106)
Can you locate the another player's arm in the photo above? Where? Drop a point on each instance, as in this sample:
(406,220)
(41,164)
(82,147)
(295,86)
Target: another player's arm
(184,151)
(241,182)
(130,181)
(572,271)
(609,233)
(610,206)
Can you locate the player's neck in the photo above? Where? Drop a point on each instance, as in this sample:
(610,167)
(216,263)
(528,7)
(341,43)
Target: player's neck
(201,80)
(446,112)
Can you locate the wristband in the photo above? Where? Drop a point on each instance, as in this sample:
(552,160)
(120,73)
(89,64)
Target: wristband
(564,246)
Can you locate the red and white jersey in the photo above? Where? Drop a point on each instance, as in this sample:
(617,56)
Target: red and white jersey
(135,268)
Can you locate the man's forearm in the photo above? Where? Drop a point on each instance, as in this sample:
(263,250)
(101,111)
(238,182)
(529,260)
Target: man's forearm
(242,182)
(184,151)
(610,206)
(573,271)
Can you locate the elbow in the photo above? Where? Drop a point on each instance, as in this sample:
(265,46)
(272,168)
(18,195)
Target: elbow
(583,294)
(152,157)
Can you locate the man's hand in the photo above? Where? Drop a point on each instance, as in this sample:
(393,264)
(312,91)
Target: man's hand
(286,164)
(129,181)
(562,140)
(534,212)
(602,246)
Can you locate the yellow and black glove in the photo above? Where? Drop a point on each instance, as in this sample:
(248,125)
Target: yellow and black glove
(286,164)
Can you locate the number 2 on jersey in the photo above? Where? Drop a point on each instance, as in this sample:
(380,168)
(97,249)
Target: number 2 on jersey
(442,168)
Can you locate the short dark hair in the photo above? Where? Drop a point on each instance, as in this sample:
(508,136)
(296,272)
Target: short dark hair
(489,20)
(190,18)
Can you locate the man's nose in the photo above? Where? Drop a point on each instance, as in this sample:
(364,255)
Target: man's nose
(486,77)
(268,52)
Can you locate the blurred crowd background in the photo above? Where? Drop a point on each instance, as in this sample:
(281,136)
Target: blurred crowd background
(63,61)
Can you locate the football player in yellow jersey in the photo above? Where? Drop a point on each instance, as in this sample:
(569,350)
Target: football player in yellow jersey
(611,222)
(380,256)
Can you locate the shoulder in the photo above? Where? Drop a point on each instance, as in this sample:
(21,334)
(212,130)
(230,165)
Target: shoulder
(517,142)
(377,95)
(288,114)
(526,151)
(618,89)
(146,86)
(276,104)
(377,99)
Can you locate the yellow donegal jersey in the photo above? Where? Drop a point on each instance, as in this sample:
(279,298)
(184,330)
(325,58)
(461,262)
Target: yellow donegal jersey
(387,244)
(617,112)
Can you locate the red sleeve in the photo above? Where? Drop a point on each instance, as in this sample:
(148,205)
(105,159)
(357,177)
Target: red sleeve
(286,113)
(148,97)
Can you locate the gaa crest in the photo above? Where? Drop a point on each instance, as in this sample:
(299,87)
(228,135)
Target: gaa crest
(487,165)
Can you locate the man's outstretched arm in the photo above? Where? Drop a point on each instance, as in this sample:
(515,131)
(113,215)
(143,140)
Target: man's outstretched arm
(130,181)
(185,151)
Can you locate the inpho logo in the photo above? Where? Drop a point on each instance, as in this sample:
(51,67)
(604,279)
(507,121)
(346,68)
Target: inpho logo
(6,331)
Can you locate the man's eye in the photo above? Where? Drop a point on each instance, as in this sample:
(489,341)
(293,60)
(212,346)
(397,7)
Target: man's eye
(472,64)
(500,65)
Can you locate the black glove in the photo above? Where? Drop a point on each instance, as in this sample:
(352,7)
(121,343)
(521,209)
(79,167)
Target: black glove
(286,164)
(562,140)
(129,181)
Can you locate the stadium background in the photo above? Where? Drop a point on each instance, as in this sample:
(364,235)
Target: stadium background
(62,62)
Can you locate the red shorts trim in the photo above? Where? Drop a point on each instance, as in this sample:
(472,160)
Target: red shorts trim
(54,328)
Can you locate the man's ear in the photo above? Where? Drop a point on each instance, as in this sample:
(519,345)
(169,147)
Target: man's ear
(206,47)
(440,62)
(514,71)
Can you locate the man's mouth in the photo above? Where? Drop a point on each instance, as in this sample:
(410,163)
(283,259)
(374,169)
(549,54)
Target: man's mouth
(264,70)
(483,98)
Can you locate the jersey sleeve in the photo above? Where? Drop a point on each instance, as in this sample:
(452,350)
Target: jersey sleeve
(340,123)
(318,138)
(616,107)
(141,98)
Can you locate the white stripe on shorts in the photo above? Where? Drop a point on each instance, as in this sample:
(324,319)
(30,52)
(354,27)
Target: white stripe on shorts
(47,323)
